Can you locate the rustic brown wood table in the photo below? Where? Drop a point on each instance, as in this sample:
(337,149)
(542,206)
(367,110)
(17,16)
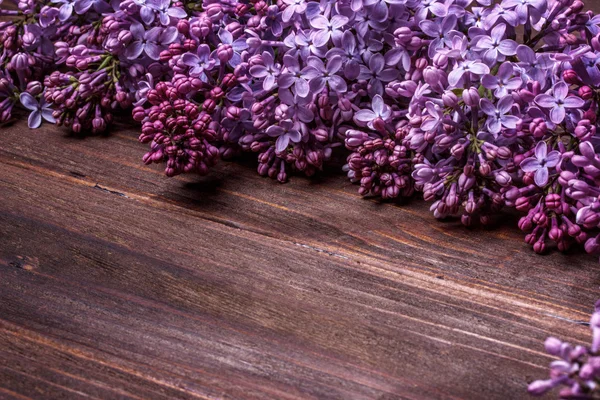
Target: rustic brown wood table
(116,282)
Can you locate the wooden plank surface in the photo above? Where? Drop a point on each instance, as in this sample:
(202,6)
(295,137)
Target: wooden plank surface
(116,282)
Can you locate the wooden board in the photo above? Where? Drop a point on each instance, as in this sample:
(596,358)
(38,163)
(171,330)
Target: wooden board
(117,282)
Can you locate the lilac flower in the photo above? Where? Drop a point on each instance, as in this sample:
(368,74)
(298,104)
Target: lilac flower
(273,20)
(165,12)
(497,115)
(268,70)
(285,133)
(47,16)
(441,32)
(237,46)
(558,102)
(533,9)
(500,13)
(435,117)
(503,81)
(100,6)
(293,7)
(151,42)
(320,75)
(325,29)
(467,67)
(377,74)
(146,11)
(66,10)
(495,44)
(540,162)
(308,46)
(199,62)
(297,106)
(424,7)
(532,65)
(38,110)
(295,76)
(379,110)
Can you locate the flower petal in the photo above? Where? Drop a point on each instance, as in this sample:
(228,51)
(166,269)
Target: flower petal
(35,119)
(557,114)
(530,164)
(541,176)
(28,101)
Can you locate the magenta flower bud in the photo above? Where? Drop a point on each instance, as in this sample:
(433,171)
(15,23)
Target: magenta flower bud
(224,53)
(586,93)
(571,77)
(214,11)
(34,88)
(503,178)
(403,35)
(457,151)
(20,62)
(449,98)
(525,224)
(538,128)
(421,63)
(592,246)
(466,219)
(379,125)
(29,39)
(485,169)
(540,246)
(440,60)
(183,26)
(321,134)
(471,97)
(585,130)
(522,204)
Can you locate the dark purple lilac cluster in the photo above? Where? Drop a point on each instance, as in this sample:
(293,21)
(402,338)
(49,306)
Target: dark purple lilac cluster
(577,369)
(477,104)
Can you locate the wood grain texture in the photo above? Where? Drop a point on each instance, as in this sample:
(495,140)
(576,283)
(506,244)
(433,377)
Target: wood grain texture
(116,282)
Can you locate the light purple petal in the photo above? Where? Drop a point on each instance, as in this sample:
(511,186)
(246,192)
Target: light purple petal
(541,149)
(338,84)
(455,75)
(47,115)
(552,159)
(545,101)
(557,114)
(561,90)
(508,47)
(364,116)
(541,177)
(152,50)
(334,64)
(258,71)
(35,119)
(319,22)
(479,68)
(430,28)
(282,143)
(487,107)
(530,164)
(302,87)
(573,102)
(510,121)
(505,104)
(286,80)
(28,101)
(177,12)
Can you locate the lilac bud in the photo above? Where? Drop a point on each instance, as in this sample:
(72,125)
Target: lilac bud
(450,99)
(471,97)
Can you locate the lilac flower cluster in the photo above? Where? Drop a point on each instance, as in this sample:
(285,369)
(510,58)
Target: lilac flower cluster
(577,369)
(76,62)
(479,105)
